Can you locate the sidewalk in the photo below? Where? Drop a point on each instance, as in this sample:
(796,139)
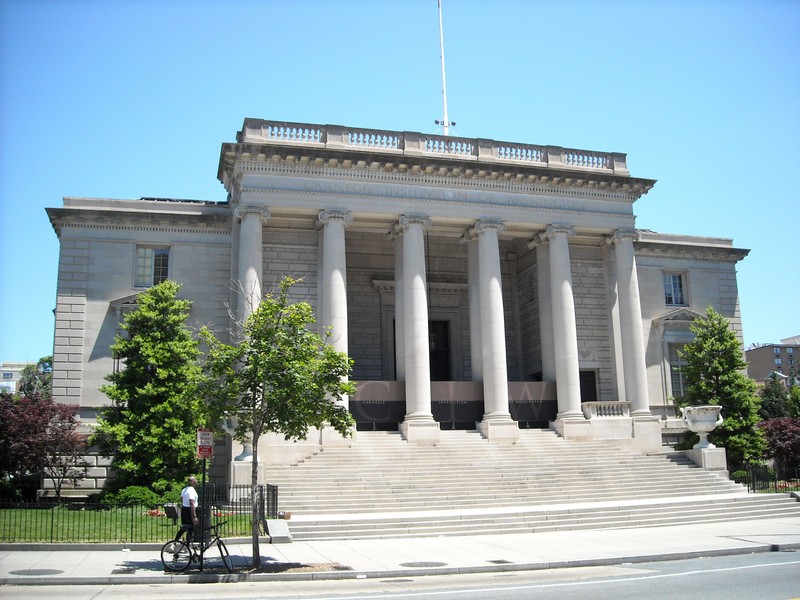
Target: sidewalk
(87,564)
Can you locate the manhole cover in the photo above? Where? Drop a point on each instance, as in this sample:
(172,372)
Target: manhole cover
(124,571)
(36,572)
(500,561)
(423,564)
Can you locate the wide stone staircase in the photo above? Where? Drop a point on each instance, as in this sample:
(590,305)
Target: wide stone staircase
(384,487)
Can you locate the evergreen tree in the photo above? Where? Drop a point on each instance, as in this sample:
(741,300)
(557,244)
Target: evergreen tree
(774,399)
(150,426)
(714,373)
(281,377)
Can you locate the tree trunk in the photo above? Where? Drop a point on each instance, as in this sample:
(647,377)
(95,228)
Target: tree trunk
(254,496)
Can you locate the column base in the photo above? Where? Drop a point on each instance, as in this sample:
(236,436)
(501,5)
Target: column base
(241,473)
(647,433)
(573,428)
(330,438)
(423,432)
(499,430)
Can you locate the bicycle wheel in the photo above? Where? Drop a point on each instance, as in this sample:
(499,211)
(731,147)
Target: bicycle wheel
(226,557)
(176,556)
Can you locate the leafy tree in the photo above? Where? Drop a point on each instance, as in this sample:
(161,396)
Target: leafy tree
(35,381)
(40,439)
(794,401)
(150,426)
(281,378)
(774,398)
(714,373)
(783,442)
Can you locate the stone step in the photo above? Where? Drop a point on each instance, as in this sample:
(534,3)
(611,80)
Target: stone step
(466,484)
(552,520)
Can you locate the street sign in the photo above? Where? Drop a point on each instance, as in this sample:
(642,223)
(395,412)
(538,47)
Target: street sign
(205,443)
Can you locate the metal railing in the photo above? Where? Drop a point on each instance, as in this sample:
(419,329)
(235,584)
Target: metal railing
(93,522)
(763,478)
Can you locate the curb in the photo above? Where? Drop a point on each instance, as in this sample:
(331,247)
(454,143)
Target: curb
(339,575)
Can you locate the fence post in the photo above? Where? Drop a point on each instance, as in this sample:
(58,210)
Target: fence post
(261,514)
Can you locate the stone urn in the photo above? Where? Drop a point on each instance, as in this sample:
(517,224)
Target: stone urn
(229,426)
(702,420)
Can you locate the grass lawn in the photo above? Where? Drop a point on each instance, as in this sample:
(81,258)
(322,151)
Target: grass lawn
(73,524)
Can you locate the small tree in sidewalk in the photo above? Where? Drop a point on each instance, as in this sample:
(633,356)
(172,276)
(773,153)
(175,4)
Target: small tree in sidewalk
(281,377)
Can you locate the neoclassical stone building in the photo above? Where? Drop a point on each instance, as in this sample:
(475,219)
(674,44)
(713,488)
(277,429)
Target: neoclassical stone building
(476,284)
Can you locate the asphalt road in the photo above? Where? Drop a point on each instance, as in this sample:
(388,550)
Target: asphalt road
(769,576)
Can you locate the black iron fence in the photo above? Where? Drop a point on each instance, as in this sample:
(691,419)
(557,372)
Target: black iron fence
(763,478)
(74,522)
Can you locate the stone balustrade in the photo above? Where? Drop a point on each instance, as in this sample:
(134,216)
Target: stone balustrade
(606,410)
(258,131)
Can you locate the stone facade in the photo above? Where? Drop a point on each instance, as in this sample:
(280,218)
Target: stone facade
(475,283)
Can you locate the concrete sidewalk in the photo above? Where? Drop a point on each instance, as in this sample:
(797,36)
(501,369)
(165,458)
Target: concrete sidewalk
(382,558)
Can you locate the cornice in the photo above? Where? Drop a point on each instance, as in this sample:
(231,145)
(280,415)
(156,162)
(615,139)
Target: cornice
(102,219)
(689,251)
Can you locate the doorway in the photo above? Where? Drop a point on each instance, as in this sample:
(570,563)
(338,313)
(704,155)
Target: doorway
(588,380)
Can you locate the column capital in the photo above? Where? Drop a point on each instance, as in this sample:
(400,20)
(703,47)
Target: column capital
(552,231)
(481,226)
(335,215)
(407,221)
(622,234)
(262,212)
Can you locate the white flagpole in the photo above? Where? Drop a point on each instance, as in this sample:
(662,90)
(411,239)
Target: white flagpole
(446,120)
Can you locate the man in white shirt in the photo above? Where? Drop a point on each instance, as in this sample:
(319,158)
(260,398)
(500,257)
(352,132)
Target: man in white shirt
(189,506)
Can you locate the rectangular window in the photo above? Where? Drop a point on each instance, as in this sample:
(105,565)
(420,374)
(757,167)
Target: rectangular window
(790,351)
(777,362)
(152,265)
(8,376)
(676,364)
(776,350)
(674,289)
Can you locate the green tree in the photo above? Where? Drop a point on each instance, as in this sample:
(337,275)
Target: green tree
(281,377)
(714,373)
(774,398)
(794,401)
(35,381)
(150,426)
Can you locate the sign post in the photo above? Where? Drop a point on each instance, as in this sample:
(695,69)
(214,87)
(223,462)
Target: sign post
(205,450)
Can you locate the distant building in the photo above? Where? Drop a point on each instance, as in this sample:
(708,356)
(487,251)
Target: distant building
(477,284)
(783,359)
(12,371)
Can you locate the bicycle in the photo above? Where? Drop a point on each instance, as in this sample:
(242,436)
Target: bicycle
(178,554)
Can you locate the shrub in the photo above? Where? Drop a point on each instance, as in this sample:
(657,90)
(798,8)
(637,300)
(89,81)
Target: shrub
(783,442)
(168,491)
(133,495)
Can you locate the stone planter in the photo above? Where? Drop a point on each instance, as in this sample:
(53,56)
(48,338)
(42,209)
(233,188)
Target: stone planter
(702,420)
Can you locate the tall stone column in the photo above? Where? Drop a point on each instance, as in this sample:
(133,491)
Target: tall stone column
(565,336)
(497,423)
(634,366)
(418,426)
(396,234)
(474,290)
(251,259)
(543,292)
(334,278)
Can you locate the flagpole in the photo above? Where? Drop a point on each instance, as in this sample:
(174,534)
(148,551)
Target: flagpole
(445,120)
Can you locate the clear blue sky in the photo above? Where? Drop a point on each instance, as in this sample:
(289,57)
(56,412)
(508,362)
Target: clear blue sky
(127,99)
